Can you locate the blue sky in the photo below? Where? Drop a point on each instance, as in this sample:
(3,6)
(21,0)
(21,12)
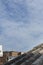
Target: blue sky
(21,24)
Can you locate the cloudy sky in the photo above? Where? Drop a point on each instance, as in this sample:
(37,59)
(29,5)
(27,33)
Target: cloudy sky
(21,24)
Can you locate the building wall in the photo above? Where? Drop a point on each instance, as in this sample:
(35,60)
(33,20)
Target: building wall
(8,54)
(15,53)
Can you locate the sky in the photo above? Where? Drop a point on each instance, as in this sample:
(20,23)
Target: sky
(21,24)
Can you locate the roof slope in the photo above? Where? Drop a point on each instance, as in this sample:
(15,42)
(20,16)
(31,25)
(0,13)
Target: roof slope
(33,57)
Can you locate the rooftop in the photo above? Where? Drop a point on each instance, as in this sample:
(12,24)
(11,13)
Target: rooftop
(32,57)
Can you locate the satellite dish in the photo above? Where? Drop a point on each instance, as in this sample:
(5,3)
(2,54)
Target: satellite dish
(1,51)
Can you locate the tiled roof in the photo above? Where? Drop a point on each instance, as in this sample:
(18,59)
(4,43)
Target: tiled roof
(33,57)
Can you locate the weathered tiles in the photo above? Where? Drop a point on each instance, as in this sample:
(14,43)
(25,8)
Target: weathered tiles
(32,59)
(39,61)
(24,59)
